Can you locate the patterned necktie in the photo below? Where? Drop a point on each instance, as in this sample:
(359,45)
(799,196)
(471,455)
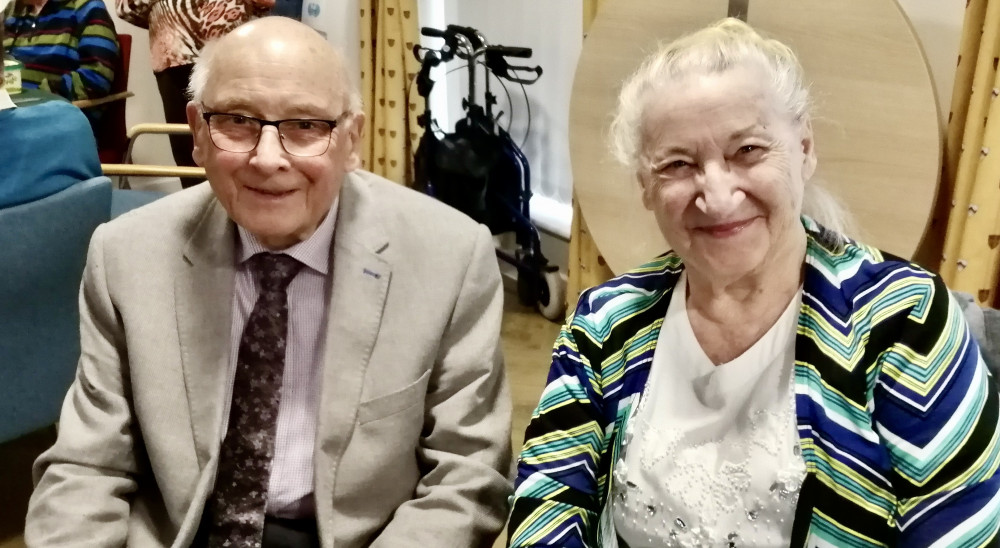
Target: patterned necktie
(236,507)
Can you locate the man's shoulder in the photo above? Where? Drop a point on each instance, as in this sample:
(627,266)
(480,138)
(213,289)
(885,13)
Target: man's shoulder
(168,221)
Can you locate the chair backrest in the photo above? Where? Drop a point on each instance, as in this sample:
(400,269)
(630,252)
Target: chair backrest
(112,138)
(123,201)
(43,249)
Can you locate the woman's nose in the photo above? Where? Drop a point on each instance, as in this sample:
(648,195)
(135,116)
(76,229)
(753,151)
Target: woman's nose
(720,194)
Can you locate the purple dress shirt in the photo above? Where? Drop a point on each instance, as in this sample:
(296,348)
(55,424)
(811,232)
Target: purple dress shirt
(290,490)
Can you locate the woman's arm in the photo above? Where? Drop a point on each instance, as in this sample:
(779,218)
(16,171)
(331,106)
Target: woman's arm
(936,410)
(557,493)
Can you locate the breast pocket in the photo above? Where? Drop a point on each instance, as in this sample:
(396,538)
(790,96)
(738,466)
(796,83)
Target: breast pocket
(394,402)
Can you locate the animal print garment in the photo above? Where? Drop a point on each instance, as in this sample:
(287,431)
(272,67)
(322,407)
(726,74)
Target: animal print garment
(179,28)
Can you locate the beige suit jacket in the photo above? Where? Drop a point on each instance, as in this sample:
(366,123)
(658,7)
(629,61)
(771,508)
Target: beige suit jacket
(413,440)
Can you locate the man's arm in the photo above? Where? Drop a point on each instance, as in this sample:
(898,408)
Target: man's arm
(461,501)
(84,482)
(937,410)
(98,53)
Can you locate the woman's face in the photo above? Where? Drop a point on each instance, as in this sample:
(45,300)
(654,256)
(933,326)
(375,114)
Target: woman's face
(722,169)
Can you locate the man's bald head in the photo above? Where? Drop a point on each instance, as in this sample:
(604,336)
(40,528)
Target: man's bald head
(275,40)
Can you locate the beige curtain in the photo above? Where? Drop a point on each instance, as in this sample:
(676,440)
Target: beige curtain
(971,259)
(590,8)
(587,267)
(389,28)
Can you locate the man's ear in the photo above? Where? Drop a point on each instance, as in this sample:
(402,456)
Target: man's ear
(197,123)
(808,150)
(354,131)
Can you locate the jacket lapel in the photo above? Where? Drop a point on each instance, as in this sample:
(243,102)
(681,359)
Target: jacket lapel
(203,293)
(359,287)
(821,287)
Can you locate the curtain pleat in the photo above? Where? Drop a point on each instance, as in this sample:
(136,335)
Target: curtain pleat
(971,175)
(590,8)
(389,29)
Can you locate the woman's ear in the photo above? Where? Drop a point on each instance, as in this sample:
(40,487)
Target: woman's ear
(645,187)
(808,149)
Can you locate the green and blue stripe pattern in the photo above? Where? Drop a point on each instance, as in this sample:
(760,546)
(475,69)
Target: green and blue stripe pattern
(897,412)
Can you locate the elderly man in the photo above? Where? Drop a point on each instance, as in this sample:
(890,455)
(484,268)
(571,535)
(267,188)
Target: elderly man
(298,354)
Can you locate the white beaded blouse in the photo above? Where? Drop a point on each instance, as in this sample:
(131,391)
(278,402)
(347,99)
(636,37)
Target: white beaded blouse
(711,454)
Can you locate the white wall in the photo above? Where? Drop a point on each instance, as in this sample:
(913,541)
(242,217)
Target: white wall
(145,106)
(553,29)
(338,21)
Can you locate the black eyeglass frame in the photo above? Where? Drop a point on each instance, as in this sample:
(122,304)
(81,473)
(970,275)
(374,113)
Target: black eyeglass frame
(207,115)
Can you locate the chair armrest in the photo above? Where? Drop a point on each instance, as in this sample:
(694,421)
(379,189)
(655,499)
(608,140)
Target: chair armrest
(159,129)
(143,170)
(90,103)
(151,129)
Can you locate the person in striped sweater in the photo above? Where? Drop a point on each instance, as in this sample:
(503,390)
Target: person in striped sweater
(31,170)
(769,381)
(68,47)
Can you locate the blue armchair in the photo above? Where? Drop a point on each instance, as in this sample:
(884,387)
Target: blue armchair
(43,248)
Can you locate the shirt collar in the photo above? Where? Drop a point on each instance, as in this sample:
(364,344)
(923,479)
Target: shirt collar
(5,101)
(313,252)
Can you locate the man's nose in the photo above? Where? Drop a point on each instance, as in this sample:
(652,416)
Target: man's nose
(720,193)
(269,152)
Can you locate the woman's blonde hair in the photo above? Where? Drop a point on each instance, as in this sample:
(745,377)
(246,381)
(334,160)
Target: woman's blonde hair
(724,45)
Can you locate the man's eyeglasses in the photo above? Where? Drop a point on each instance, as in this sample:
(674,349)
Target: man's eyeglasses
(298,136)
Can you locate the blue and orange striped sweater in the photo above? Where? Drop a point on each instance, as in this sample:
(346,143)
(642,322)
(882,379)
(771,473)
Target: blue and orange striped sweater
(897,414)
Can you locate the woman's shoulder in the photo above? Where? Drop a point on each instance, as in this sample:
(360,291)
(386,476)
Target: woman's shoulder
(847,274)
(56,109)
(841,257)
(62,122)
(628,297)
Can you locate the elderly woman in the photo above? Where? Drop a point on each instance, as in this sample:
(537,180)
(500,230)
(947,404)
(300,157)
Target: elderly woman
(768,382)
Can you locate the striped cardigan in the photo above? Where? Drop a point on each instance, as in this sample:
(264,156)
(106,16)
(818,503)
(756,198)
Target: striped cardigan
(897,414)
(70,48)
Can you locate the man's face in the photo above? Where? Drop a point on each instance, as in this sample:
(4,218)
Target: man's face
(278,197)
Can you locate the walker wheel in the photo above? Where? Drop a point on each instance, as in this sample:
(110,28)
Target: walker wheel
(552,296)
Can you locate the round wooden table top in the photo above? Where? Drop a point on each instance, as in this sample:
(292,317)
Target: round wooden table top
(878,135)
